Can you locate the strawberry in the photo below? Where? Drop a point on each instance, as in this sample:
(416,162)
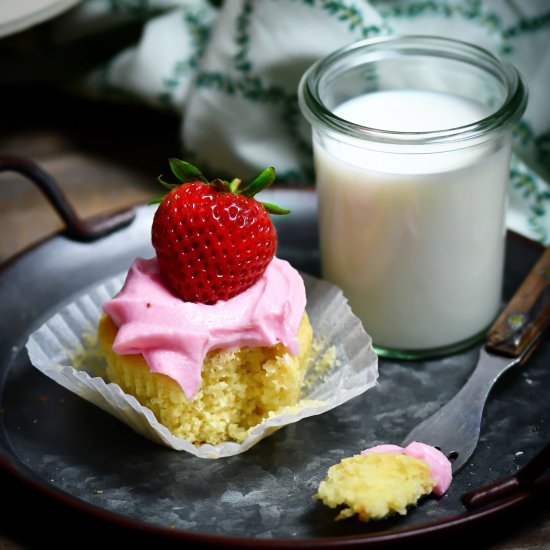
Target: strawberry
(213,240)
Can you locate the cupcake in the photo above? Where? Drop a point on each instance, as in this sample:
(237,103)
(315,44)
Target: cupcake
(211,334)
(385,480)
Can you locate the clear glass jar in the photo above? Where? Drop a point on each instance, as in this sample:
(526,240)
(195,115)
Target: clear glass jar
(412,142)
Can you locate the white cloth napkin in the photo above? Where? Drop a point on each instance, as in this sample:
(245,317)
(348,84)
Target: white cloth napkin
(231,70)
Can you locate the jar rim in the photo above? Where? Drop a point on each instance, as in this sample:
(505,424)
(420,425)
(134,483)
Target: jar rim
(319,115)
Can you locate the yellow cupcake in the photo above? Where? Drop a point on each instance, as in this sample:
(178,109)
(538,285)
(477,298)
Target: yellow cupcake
(239,387)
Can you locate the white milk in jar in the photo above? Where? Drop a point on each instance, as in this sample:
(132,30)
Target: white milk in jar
(411,144)
(416,242)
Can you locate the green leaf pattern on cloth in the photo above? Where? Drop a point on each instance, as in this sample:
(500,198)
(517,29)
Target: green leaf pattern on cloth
(231,69)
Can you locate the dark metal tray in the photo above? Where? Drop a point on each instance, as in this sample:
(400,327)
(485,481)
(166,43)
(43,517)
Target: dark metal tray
(72,462)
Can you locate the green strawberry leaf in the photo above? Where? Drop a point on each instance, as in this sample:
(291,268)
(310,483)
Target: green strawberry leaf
(261,182)
(185,172)
(274,209)
(167,185)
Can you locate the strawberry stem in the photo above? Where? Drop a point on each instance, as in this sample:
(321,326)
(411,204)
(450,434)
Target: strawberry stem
(187,173)
(234,185)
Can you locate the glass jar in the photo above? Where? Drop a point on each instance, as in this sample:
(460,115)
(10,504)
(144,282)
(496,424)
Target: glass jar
(412,142)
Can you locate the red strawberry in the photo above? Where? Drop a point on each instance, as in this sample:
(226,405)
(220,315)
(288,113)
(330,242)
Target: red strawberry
(213,239)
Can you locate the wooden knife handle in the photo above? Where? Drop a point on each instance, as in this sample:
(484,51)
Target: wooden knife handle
(526,315)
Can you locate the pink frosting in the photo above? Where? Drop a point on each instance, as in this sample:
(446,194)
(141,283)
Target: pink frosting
(392,449)
(174,336)
(440,467)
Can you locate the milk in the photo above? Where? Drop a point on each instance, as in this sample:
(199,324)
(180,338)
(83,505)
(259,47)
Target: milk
(415,240)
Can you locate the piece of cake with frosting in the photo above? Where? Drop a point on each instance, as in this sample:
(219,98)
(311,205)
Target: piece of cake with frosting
(385,480)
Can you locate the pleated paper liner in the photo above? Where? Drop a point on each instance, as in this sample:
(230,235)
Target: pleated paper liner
(344,365)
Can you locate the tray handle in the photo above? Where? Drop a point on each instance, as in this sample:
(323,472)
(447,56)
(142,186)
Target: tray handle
(524,478)
(77,228)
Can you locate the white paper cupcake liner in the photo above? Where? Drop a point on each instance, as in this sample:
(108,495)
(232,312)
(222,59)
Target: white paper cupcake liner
(56,346)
